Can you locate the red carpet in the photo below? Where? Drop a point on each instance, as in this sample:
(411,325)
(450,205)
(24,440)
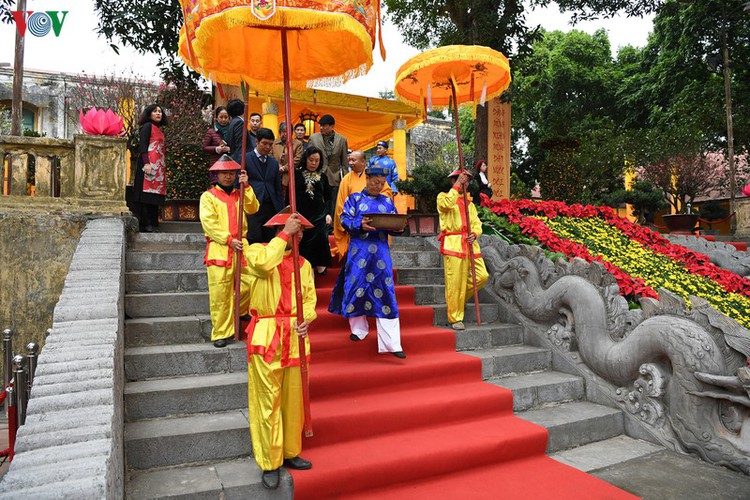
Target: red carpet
(423,427)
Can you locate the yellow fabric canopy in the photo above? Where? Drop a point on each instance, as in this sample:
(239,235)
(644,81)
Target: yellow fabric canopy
(231,41)
(476,70)
(363,121)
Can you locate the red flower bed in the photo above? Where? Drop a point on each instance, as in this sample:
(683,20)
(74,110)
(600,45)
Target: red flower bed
(694,262)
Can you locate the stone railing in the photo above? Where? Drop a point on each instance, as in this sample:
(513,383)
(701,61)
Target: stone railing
(86,174)
(71,445)
(679,373)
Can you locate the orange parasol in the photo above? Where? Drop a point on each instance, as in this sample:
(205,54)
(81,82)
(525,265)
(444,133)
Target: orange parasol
(447,77)
(239,42)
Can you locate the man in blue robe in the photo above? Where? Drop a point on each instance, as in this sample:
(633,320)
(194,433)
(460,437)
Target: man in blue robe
(365,285)
(381,159)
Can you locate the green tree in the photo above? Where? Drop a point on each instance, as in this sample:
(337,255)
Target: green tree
(566,115)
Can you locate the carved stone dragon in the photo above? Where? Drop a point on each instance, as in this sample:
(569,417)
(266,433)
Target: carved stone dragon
(721,254)
(682,372)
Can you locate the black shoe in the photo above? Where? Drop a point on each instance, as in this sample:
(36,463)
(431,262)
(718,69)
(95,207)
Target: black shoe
(354,338)
(399,354)
(297,463)
(221,343)
(271,479)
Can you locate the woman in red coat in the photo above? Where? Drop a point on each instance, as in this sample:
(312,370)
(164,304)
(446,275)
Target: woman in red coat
(215,143)
(150,185)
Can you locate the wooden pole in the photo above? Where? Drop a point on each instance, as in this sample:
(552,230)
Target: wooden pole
(295,239)
(466,204)
(240,220)
(16,126)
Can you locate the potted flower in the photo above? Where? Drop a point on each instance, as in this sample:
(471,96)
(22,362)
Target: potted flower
(682,179)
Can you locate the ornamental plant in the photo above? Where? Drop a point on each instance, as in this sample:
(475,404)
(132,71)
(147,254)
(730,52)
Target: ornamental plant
(187,164)
(124,95)
(684,178)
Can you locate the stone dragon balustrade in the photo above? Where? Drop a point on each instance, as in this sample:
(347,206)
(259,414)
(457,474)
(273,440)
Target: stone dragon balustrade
(721,254)
(681,373)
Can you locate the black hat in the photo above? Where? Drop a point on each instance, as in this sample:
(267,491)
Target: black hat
(327,120)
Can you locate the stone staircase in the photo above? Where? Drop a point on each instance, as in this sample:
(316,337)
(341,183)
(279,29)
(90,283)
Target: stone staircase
(186,431)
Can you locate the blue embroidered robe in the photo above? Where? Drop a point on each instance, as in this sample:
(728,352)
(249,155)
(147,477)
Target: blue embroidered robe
(365,284)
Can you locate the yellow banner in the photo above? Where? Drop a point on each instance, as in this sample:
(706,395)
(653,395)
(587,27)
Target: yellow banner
(498,148)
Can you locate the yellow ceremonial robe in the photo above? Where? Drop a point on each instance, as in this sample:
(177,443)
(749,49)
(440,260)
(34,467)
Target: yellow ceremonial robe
(275,407)
(351,183)
(455,250)
(218,213)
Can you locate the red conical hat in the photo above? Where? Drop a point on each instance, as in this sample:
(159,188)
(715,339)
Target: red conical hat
(280,219)
(457,172)
(224,163)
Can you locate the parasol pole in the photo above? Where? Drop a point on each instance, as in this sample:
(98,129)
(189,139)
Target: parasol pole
(295,238)
(470,249)
(240,220)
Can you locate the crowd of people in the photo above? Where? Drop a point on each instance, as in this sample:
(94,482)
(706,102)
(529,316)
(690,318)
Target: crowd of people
(337,191)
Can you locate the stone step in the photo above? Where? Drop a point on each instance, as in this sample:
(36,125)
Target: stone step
(160,361)
(416,259)
(157,242)
(187,260)
(179,227)
(203,437)
(605,453)
(185,395)
(507,360)
(240,479)
(167,330)
(407,243)
(490,313)
(153,305)
(421,276)
(576,424)
(487,336)
(193,260)
(166,281)
(148,282)
(538,389)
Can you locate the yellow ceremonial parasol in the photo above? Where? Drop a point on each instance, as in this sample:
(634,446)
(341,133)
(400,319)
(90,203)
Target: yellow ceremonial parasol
(448,77)
(267,44)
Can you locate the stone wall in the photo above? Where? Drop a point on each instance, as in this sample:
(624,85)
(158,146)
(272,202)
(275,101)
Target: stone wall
(36,249)
(71,445)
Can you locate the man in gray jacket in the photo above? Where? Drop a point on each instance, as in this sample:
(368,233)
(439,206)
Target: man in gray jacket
(335,151)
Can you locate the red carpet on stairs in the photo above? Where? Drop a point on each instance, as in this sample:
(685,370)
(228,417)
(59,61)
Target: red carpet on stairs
(423,427)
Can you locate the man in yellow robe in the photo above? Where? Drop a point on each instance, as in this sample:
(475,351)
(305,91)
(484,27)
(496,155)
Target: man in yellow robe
(454,245)
(353,182)
(275,405)
(218,213)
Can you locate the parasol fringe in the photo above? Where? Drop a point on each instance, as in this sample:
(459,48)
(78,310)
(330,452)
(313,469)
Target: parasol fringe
(294,19)
(380,31)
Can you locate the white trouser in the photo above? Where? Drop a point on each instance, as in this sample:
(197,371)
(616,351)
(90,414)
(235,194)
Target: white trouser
(389,332)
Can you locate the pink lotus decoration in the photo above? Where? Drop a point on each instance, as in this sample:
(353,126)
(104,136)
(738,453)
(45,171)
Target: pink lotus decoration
(746,190)
(100,122)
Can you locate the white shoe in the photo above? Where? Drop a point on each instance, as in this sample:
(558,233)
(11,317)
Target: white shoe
(458,325)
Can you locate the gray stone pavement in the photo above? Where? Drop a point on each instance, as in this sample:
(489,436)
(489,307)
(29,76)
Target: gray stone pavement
(665,475)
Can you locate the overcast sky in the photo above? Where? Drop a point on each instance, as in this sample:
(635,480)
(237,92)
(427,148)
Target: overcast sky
(78,49)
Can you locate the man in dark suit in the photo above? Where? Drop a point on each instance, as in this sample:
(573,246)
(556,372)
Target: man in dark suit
(236,108)
(264,177)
